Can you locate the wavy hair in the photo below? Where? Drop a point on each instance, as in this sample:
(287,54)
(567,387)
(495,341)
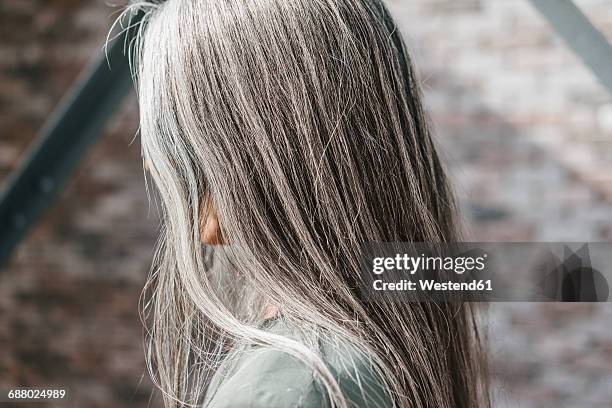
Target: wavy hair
(302,121)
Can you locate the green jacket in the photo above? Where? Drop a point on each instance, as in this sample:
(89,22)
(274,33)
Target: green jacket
(262,377)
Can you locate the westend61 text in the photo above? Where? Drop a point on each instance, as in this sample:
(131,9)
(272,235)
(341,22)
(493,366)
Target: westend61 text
(432,285)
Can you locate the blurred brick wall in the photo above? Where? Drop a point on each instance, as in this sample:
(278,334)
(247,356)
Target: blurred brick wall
(525,128)
(69,297)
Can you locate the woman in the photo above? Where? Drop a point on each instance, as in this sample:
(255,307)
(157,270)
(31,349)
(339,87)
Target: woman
(288,133)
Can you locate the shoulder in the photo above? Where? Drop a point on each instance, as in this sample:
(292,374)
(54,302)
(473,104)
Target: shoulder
(269,378)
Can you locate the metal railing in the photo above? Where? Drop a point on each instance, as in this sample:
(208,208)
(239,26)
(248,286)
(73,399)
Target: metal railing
(80,119)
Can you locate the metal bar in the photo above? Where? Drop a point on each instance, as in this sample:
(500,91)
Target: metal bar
(580,35)
(74,126)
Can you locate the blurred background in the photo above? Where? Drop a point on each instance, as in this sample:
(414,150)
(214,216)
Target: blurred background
(524,126)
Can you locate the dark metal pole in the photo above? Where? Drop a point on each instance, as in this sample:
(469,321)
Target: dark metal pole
(580,35)
(61,144)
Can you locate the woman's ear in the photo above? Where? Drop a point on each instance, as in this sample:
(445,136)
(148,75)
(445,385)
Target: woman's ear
(210,231)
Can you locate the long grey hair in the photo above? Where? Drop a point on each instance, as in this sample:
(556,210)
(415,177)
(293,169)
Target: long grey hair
(301,120)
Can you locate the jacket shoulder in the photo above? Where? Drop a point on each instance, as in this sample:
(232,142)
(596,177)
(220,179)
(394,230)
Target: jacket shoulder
(268,378)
